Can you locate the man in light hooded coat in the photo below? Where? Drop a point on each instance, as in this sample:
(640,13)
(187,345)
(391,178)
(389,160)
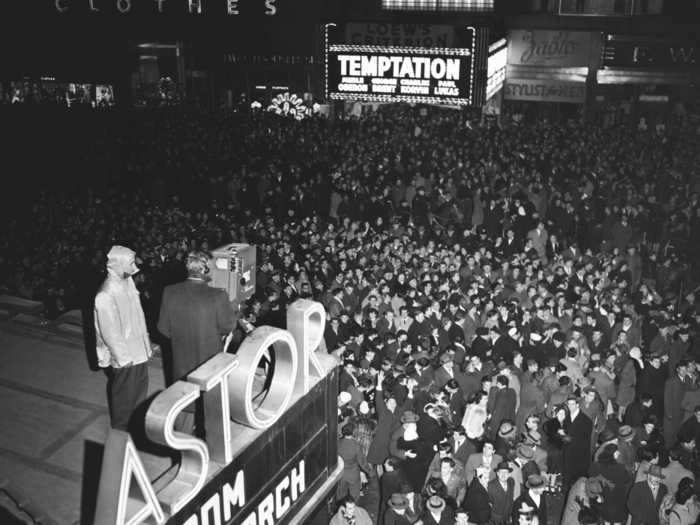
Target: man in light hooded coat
(123,346)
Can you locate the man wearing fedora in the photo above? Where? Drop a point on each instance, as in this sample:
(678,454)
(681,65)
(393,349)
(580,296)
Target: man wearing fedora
(533,497)
(626,447)
(674,390)
(645,498)
(504,403)
(505,441)
(396,511)
(389,482)
(407,444)
(533,439)
(437,512)
(501,493)
(525,466)
(593,408)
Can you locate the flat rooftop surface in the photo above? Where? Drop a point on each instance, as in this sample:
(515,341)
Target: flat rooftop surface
(55,420)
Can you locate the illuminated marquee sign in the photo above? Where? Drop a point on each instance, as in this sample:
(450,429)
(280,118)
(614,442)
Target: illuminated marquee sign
(218,478)
(400,74)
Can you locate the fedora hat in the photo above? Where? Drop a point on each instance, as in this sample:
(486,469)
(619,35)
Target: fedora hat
(532,438)
(525,452)
(506,430)
(503,465)
(436,503)
(625,432)
(524,508)
(398,501)
(535,481)
(409,416)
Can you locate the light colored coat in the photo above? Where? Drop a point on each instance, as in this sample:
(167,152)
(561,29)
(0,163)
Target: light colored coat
(120,325)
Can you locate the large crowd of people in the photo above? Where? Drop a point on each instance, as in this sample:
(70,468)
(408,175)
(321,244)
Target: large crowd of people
(514,305)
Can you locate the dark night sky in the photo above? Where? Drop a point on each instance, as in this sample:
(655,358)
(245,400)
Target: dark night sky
(36,39)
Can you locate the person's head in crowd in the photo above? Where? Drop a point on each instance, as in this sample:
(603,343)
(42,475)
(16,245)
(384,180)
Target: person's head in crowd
(451,388)
(502,382)
(686,440)
(536,484)
(558,339)
(655,476)
(447,467)
(650,423)
(646,454)
(347,507)
(532,424)
(121,262)
(435,487)
(589,395)
(461,517)
(609,455)
(348,430)
(686,490)
(488,449)
(646,400)
(532,366)
(626,433)
(560,413)
(391,463)
(682,368)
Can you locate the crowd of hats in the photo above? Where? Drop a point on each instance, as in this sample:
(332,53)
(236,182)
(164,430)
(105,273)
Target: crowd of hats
(199,179)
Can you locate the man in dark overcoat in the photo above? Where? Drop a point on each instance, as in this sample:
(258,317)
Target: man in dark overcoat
(673,396)
(195,317)
(577,451)
(645,498)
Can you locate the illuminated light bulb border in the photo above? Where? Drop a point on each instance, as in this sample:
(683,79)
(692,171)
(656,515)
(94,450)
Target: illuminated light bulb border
(401,98)
(471,82)
(450,51)
(325,49)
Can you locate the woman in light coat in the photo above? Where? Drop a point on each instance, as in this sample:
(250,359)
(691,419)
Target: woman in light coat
(475,415)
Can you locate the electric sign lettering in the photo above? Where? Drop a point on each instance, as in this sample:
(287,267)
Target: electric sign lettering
(391,74)
(225,384)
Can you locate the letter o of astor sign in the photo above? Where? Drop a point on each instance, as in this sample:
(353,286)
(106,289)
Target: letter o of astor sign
(281,386)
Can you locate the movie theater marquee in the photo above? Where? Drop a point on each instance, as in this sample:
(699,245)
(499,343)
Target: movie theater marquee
(396,73)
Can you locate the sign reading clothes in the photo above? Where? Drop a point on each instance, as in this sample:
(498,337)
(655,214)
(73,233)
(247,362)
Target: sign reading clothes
(548,48)
(395,74)
(388,34)
(544,90)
